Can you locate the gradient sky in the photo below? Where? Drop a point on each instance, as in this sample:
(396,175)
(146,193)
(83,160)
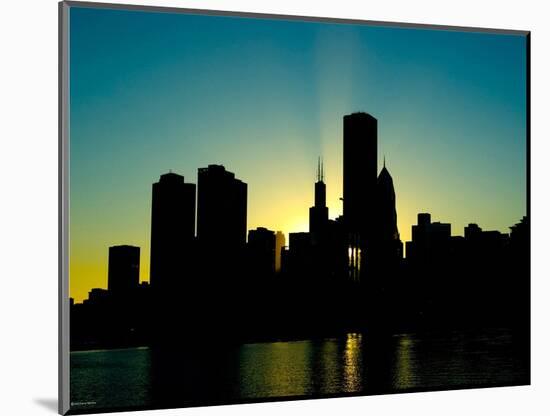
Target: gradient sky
(151,92)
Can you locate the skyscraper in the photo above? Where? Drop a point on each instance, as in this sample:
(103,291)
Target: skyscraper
(360,174)
(123,274)
(221,208)
(300,255)
(360,171)
(318,214)
(387,246)
(261,249)
(172,230)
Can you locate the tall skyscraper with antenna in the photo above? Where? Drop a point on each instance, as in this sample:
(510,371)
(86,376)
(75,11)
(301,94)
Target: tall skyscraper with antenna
(318,213)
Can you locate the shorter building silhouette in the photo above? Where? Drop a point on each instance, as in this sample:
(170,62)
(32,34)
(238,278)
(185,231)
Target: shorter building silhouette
(280,243)
(261,252)
(98,297)
(487,242)
(300,255)
(221,208)
(123,270)
(172,233)
(430,241)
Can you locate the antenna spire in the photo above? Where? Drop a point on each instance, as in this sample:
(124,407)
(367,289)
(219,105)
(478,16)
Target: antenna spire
(384,161)
(318,168)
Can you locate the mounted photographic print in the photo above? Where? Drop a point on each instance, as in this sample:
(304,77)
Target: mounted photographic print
(263,208)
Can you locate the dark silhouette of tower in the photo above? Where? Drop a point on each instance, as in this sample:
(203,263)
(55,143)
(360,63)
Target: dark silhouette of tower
(318,214)
(123,272)
(388,248)
(261,248)
(360,174)
(382,282)
(172,231)
(221,239)
(221,208)
(300,255)
(360,171)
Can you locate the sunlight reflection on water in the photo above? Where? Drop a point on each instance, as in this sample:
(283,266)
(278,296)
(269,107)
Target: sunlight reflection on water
(348,365)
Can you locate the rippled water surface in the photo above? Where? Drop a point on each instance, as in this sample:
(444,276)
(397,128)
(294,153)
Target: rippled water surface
(354,364)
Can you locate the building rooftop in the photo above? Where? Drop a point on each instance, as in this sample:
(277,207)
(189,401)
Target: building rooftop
(360,114)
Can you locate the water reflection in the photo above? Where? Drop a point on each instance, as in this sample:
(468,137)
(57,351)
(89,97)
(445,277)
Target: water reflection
(103,379)
(326,367)
(404,363)
(301,368)
(276,369)
(355,364)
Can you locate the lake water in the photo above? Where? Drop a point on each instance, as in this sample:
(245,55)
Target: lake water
(213,373)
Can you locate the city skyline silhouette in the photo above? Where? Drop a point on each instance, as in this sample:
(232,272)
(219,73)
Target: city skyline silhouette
(204,258)
(319,213)
(214,86)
